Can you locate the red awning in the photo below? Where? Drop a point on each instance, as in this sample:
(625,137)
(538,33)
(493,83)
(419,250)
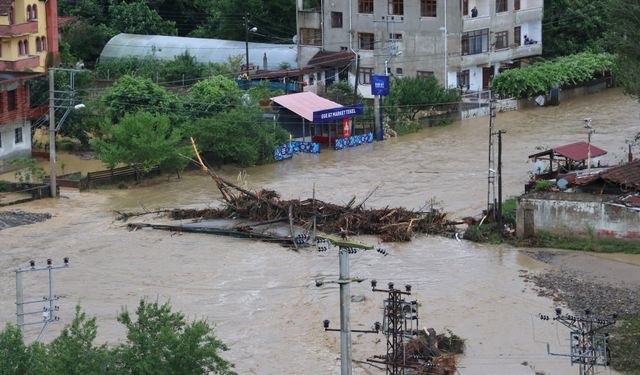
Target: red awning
(578,151)
(305,103)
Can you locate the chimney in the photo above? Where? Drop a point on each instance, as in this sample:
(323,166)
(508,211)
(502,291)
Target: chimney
(52,32)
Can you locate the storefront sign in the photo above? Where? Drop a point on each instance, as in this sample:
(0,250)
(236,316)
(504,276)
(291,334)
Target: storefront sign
(380,85)
(334,114)
(346,128)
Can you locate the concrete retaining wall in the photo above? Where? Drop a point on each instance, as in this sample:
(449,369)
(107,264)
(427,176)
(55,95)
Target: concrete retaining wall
(570,213)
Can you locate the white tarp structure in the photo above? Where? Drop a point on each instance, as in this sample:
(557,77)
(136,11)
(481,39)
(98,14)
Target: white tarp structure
(204,50)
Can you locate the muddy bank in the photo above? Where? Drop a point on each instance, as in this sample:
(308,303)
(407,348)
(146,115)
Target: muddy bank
(579,283)
(10,219)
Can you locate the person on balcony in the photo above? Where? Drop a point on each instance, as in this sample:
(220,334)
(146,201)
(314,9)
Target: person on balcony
(474,12)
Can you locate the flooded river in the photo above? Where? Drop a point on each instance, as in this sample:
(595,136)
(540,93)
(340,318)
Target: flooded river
(262,297)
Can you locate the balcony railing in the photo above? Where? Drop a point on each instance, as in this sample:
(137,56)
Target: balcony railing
(27,62)
(527,15)
(19,29)
(476,23)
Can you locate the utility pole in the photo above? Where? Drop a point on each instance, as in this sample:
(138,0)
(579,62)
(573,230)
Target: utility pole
(68,105)
(500,221)
(345,249)
(589,347)
(48,310)
(491,178)
(246,41)
(590,130)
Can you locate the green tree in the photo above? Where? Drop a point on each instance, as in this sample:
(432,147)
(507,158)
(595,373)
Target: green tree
(137,18)
(625,17)
(238,135)
(409,96)
(184,66)
(86,39)
(142,140)
(572,26)
(275,19)
(161,342)
(213,95)
(132,94)
(73,352)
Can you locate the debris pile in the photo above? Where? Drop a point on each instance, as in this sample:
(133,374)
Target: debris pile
(391,224)
(10,219)
(433,354)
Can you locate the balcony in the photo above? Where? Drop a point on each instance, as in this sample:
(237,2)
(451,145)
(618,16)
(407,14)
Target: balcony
(485,58)
(19,29)
(476,23)
(529,15)
(26,62)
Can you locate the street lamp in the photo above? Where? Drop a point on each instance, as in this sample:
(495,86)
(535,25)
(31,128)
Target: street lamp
(246,40)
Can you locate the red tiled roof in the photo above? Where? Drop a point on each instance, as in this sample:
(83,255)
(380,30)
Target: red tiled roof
(66,20)
(331,59)
(305,103)
(626,175)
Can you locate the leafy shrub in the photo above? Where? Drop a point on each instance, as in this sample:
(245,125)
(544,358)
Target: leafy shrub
(238,135)
(542,185)
(509,208)
(29,171)
(4,186)
(406,126)
(539,78)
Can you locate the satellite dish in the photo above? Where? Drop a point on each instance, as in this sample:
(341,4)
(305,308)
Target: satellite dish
(538,167)
(295,39)
(562,184)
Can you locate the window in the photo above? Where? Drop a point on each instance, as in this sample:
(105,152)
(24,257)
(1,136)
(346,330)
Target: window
(501,6)
(395,37)
(365,6)
(11,100)
(465,7)
(344,48)
(516,4)
(336,19)
(365,41)
(28,12)
(18,135)
(21,48)
(423,74)
(310,36)
(474,42)
(517,35)
(502,40)
(38,45)
(43,40)
(365,75)
(396,7)
(399,71)
(428,8)
(310,4)
(26,47)
(34,12)
(463,79)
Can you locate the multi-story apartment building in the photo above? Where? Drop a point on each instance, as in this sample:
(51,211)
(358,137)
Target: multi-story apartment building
(28,34)
(28,45)
(463,43)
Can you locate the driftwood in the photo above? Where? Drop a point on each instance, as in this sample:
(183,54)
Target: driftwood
(265,206)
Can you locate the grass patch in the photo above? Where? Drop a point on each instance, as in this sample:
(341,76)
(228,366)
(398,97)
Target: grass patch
(624,341)
(485,233)
(591,243)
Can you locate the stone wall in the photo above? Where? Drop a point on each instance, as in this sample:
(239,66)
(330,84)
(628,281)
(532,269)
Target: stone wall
(573,214)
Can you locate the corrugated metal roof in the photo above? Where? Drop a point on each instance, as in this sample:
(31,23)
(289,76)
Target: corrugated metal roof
(204,50)
(305,103)
(575,151)
(327,59)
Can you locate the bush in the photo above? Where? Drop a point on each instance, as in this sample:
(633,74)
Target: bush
(237,135)
(542,185)
(406,126)
(509,208)
(539,78)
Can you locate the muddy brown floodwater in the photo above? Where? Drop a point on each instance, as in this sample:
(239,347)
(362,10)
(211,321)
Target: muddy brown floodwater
(262,297)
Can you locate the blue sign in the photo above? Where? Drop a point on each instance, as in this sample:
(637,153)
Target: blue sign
(380,85)
(339,113)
